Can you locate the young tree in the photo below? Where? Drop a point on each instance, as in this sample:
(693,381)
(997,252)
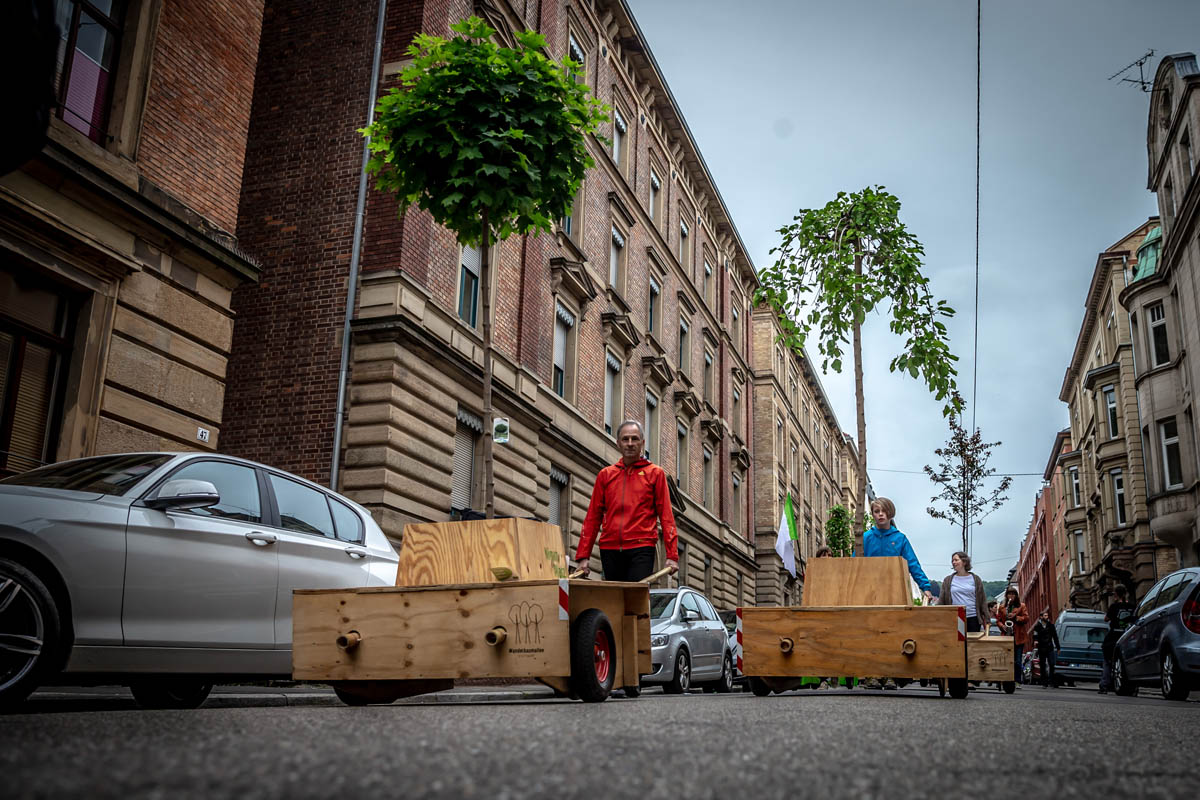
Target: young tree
(961,475)
(836,265)
(489,140)
(837,531)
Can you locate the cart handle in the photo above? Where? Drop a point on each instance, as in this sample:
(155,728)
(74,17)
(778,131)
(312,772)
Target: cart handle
(657,575)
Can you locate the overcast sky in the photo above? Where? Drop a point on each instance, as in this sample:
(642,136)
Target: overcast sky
(793,101)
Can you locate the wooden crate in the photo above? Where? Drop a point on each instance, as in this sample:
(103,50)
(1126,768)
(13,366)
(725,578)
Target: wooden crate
(990,658)
(480,551)
(847,582)
(858,642)
(438,632)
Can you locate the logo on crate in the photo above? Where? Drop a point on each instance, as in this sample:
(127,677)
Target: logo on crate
(527,620)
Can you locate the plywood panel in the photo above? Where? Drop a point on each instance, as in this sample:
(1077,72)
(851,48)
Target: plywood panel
(620,602)
(856,582)
(858,642)
(989,658)
(466,552)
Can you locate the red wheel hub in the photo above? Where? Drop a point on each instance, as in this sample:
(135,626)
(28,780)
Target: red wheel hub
(602,656)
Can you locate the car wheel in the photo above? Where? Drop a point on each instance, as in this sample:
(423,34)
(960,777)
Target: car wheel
(170,693)
(958,688)
(725,684)
(682,680)
(758,686)
(593,656)
(29,632)
(1120,680)
(1174,685)
(1009,687)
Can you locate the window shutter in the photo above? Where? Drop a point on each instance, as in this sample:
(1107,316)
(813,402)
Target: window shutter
(470,259)
(462,479)
(561,331)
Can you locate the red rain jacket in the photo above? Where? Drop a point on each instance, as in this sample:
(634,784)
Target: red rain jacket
(627,503)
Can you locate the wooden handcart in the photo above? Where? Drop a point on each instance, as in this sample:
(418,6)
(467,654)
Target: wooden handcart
(478,599)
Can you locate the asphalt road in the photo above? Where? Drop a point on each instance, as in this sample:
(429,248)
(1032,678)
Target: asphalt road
(1036,743)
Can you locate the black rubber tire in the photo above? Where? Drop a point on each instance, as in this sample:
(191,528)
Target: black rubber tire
(29,611)
(758,686)
(350,698)
(1174,685)
(1009,687)
(681,682)
(1121,685)
(586,683)
(170,693)
(924,682)
(958,688)
(632,691)
(724,684)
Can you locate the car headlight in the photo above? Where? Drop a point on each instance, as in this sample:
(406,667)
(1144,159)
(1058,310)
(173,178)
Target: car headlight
(659,640)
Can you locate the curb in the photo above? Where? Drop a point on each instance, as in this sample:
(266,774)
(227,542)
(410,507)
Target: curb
(314,699)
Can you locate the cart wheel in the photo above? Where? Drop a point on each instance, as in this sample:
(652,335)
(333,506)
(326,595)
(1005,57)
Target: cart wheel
(593,656)
(759,686)
(941,684)
(958,688)
(924,682)
(1009,687)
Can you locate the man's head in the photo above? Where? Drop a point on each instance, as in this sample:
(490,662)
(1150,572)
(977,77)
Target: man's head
(631,440)
(1120,592)
(1046,615)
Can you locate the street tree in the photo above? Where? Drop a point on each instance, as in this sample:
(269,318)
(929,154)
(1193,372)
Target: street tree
(491,142)
(963,501)
(837,531)
(835,266)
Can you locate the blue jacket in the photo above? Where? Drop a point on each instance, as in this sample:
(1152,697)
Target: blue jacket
(894,543)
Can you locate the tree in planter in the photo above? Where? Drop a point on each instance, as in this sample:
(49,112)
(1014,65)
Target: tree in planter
(837,532)
(961,474)
(836,264)
(489,140)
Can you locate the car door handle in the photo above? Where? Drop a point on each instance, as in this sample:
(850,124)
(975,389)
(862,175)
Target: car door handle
(262,539)
(356,552)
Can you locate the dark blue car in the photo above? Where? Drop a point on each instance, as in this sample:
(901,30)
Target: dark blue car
(1162,645)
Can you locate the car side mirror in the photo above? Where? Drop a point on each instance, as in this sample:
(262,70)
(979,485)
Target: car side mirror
(185,493)
(689,615)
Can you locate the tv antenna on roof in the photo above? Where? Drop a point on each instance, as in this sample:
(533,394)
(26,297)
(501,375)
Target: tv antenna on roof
(1140,80)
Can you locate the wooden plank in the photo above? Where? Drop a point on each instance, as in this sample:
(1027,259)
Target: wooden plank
(433,554)
(989,658)
(410,634)
(629,652)
(842,582)
(859,642)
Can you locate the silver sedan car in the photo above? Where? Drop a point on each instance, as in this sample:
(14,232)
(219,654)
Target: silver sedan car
(689,645)
(167,571)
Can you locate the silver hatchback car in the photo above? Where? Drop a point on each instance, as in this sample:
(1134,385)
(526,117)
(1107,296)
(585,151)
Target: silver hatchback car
(689,645)
(168,571)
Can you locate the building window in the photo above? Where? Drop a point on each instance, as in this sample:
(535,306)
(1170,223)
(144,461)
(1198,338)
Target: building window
(740,582)
(708,376)
(1080,553)
(735,518)
(560,504)
(1160,352)
(1118,484)
(1110,404)
(708,576)
(736,324)
(620,142)
(616,261)
(779,439)
(578,56)
(683,563)
(612,392)
(468,285)
(572,224)
(806,485)
(564,351)
(681,455)
(685,250)
(1075,498)
(684,349)
(737,401)
(794,462)
(462,478)
(35,348)
(1168,434)
(1187,159)
(652,307)
(1169,201)
(655,197)
(651,423)
(708,283)
(86,63)
(708,479)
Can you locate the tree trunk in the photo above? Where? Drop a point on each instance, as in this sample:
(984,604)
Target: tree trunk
(485,288)
(860,403)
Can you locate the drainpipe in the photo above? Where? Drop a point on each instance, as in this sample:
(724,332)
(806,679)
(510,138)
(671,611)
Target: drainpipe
(355,253)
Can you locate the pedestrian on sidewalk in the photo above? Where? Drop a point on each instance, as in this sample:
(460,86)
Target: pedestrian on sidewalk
(1014,611)
(629,501)
(965,588)
(1118,617)
(1045,642)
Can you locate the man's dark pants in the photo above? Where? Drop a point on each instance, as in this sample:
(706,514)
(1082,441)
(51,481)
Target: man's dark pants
(1046,665)
(634,564)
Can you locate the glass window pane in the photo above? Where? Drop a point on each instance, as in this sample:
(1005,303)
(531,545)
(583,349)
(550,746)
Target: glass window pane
(237,485)
(86,100)
(301,508)
(104,474)
(349,525)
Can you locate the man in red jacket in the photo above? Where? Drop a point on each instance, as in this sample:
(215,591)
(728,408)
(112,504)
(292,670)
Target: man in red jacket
(628,500)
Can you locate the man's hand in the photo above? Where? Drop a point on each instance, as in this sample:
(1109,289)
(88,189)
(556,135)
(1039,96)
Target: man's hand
(672,565)
(583,567)
(928,597)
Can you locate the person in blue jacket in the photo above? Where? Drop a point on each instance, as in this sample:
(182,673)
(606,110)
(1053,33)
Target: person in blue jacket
(885,539)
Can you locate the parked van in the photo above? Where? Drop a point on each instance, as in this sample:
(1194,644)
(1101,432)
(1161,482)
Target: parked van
(1081,635)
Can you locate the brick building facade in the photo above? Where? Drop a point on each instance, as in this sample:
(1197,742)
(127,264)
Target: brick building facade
(117,253)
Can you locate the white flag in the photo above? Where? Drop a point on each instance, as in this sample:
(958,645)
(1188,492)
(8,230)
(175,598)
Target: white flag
(785,542)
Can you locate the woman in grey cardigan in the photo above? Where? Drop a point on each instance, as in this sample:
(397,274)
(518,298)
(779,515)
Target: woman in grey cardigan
(964,588)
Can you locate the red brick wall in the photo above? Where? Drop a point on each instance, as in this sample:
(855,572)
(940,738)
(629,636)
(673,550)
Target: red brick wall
(198,105)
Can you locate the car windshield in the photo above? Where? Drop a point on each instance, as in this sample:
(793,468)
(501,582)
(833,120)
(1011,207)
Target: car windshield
(662,606)
(104,474)
(1076,634)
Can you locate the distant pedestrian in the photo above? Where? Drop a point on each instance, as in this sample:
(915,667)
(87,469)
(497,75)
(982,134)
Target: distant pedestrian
(964,588)
(991,612)
(1118,617)
(823,552)
(1045,642)
(1014,611)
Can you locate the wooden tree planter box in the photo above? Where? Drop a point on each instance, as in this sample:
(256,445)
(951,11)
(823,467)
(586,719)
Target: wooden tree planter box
(580,637)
